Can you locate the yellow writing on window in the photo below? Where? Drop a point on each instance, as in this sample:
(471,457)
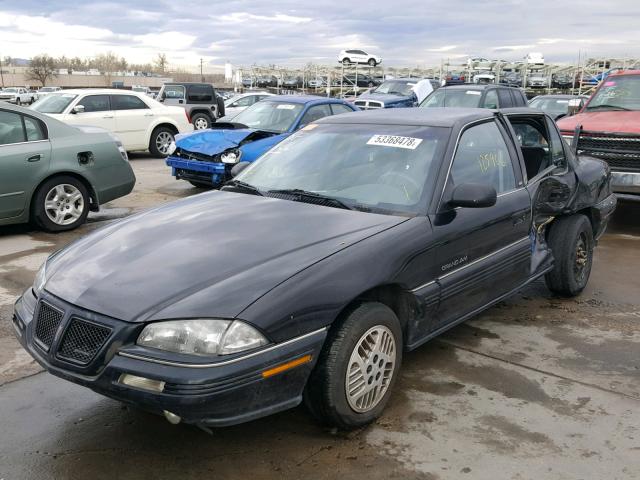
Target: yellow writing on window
(491,160)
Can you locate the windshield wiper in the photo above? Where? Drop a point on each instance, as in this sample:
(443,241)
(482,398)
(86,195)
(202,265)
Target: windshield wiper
(302,194)
(611,107)
(244,186)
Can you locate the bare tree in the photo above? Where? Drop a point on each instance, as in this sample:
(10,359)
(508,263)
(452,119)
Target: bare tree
(41,69)
(107,63)
(161,62)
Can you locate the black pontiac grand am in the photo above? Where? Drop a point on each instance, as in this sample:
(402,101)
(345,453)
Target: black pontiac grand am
(360,237)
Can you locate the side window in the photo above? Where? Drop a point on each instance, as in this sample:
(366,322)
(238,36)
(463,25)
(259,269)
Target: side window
(557,151)
(34,129)
(200,93)
(127,102)
(315,113)
(337,108)
(11,130)
(173,91)
(483,157)
(491,99)
(95,103)
(505,98)
(534,144)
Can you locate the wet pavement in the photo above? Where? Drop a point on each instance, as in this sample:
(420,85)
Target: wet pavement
(536,387)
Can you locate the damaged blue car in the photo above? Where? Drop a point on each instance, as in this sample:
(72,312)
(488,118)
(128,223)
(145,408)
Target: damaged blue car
(205,158)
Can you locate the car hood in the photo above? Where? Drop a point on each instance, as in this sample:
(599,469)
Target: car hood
(209,255)
(384,97)
(604,121)
(210,142)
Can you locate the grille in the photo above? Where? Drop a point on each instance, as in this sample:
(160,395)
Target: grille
(368,104)
(47,324)
(619,152)
(196,156)
(82,340)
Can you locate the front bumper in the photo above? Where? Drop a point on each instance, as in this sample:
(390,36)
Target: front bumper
(626,185)
(214,173)
(219,393)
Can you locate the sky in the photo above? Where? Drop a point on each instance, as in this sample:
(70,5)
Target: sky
(294,33)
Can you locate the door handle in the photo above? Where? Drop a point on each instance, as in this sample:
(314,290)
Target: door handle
(108,116)
(34,158)
(148,114)
(180,101)
(518,218)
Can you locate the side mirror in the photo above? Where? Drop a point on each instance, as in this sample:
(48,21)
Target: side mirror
(238,167)
(575,105)
(473,195)
(78,109)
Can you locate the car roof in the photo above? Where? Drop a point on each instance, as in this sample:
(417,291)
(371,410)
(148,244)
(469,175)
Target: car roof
(187,83)
(562,96)
(303,99)
(428,117)
(104,91)
(474,86)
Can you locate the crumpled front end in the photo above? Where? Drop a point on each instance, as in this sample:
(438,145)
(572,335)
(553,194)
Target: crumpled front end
(201,168)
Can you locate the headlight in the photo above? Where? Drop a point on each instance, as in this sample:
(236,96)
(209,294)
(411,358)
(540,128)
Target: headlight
(231,156)
(204,337)
(41,279)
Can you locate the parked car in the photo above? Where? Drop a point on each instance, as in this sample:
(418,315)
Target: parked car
(537,80)
(395,93)
(202,104)
(318,82)
(534,58)
(562,80)
(484,78)
(359,56)
(454,78)
(44,91)
(264,81)
(52,174)
(247,82)
(609,125)
(205,159)
(556,106)
(318,266)
(512,79)
(476,96)
(17,95)
(146,90)
(480,63)
(138,121)
(292,82)
(238,103)
(360,81)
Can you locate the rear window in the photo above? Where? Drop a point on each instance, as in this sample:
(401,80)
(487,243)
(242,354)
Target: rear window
(453,97)
(127,102)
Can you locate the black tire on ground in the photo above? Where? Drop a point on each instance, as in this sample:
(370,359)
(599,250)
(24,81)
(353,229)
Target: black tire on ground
(157,133)
(206,186)
(38,211)
(571,241)
(372,62)
(325,394)
(18,101)
(201,121)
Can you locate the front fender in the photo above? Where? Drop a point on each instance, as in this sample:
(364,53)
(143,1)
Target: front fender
(254,150)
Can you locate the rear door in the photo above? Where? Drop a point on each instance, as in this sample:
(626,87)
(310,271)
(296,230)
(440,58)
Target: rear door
(482,253)
(25,153)
(133,117)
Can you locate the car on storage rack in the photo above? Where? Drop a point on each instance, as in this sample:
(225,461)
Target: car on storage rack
(394,93)
(17,95)
(455,78)
(202,104)
(511,79)
(557,106)
(205,159)
(340,249)
(537,80)
(53,174)
(236,104)
(359,56)
(474,96)
(141,123)
(609,129)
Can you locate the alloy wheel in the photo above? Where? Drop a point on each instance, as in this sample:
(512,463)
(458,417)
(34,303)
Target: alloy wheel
(64,204)
(163,140)
(370,369)
(201,124)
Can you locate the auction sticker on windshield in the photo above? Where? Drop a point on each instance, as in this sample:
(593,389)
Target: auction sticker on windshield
(395,141)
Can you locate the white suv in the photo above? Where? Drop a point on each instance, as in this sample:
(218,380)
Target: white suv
(17,95)
(359,56)
(138,121)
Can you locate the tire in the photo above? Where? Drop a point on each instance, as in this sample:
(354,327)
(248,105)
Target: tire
(326,394)
(372,62)
(571,241)
(206,186)
(160,139)
(60,204)
(18,102)
(201,121)
(346,61)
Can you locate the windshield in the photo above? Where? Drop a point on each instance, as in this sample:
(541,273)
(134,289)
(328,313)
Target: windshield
(396,87)
(46,89)
(378,168)
(277,117)
(556,106)
(619,92)
(453,97)
(10,90)
(54,103)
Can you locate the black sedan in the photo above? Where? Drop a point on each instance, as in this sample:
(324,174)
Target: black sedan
(361,237)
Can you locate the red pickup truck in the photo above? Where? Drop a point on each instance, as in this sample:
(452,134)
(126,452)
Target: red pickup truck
(610,130)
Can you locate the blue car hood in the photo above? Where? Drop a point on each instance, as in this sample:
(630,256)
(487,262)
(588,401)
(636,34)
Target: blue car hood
(210,142)
(385,97)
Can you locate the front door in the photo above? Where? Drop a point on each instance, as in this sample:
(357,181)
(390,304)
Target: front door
(24,157)
(481,253)
(97,113)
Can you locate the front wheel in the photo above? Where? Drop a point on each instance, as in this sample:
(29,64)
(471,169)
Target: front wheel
(18,101)
(161,139)
(61,203)
(571,242)
(372,62)
(357,368)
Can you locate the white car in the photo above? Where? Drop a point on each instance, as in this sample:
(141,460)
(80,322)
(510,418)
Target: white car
(480,63)
(138,121)
(359,56)
(17,95)
(44,91)
(534,58)
(238,103)
(146,90)
(484,78)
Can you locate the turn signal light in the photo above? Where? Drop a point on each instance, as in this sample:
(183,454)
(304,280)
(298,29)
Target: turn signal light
(141,382)
(286,366)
